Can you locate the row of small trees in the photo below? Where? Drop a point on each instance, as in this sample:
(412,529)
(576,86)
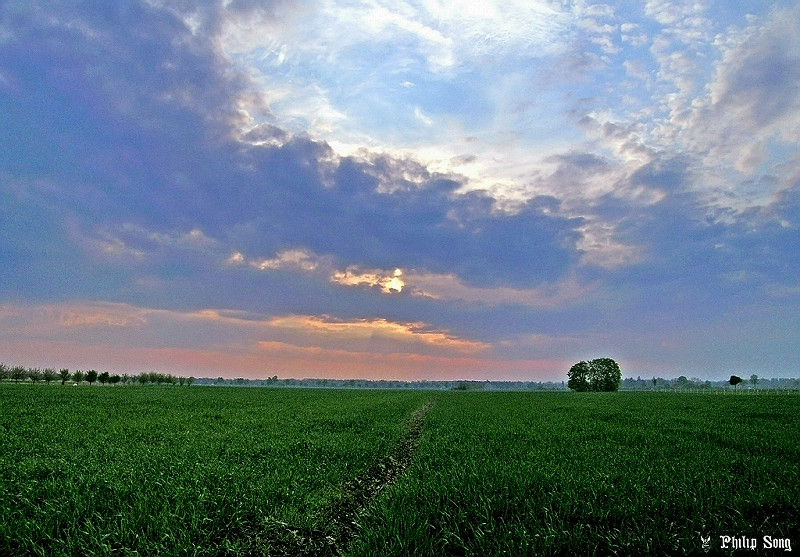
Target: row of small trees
(20,373)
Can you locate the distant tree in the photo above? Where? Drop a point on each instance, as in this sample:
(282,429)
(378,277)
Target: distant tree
(734,380)
(189,381)
(754,379)
(49,374)
(114,379)
(79,376)
(18,373)
(654,382)
(64,375)
(35,374)
(143,378)
(5,372)
(91,376)
(181,380)
(600,374)
(578,377)
(103,378)
(126,378)
(682,382)
(606,375)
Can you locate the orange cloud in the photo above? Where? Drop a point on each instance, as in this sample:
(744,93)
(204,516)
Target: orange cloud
(363,329)
(212,342)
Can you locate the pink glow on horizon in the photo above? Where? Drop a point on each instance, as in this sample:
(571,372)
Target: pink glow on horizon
(313,363)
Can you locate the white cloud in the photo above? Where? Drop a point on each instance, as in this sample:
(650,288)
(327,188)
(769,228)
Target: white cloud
(601,248)
(297,260)
(388,281)
(748,110)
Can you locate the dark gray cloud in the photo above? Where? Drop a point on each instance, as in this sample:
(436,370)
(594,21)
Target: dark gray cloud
(120,122)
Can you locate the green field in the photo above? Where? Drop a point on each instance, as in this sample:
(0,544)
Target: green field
(257,471)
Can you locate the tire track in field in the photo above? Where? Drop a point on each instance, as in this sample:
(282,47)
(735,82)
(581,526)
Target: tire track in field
(339,520)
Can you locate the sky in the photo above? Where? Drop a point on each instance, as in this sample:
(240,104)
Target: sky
(400,189)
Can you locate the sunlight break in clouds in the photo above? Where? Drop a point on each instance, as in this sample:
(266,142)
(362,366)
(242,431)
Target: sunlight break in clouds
(353,276)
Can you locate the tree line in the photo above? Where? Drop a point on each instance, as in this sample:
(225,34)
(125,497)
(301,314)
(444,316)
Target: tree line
(48,375)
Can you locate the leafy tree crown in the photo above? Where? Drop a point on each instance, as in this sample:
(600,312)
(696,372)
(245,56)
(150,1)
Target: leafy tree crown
(600,374)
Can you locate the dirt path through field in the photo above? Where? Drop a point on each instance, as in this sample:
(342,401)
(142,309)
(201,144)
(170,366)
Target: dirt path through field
(339,522)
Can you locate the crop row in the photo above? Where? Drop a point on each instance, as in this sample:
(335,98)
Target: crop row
(593,474)
(179,471)
(227,471)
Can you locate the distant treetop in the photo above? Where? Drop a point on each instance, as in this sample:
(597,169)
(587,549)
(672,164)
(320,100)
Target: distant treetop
(600,374)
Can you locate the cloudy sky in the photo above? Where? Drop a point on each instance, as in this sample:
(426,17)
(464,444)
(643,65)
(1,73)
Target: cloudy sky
(400,189)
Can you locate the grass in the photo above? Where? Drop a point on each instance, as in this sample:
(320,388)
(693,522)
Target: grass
(228,471)
(171,471)
(594,474)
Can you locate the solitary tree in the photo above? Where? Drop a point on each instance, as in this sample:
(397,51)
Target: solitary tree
(734,380)
(754,379)
(91,376)
(189,381)
(600,374)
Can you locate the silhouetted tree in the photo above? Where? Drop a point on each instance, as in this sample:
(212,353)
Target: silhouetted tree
(79,376)
(114,379)
(600,374)
(35,374)
(578,377)
(64,375)
(103,378)
(734,380)
(91,376)
(18,373)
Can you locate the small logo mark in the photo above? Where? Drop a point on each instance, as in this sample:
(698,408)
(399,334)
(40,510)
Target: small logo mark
(706,542)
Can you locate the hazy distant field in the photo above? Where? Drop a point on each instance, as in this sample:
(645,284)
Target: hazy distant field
(216,471)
